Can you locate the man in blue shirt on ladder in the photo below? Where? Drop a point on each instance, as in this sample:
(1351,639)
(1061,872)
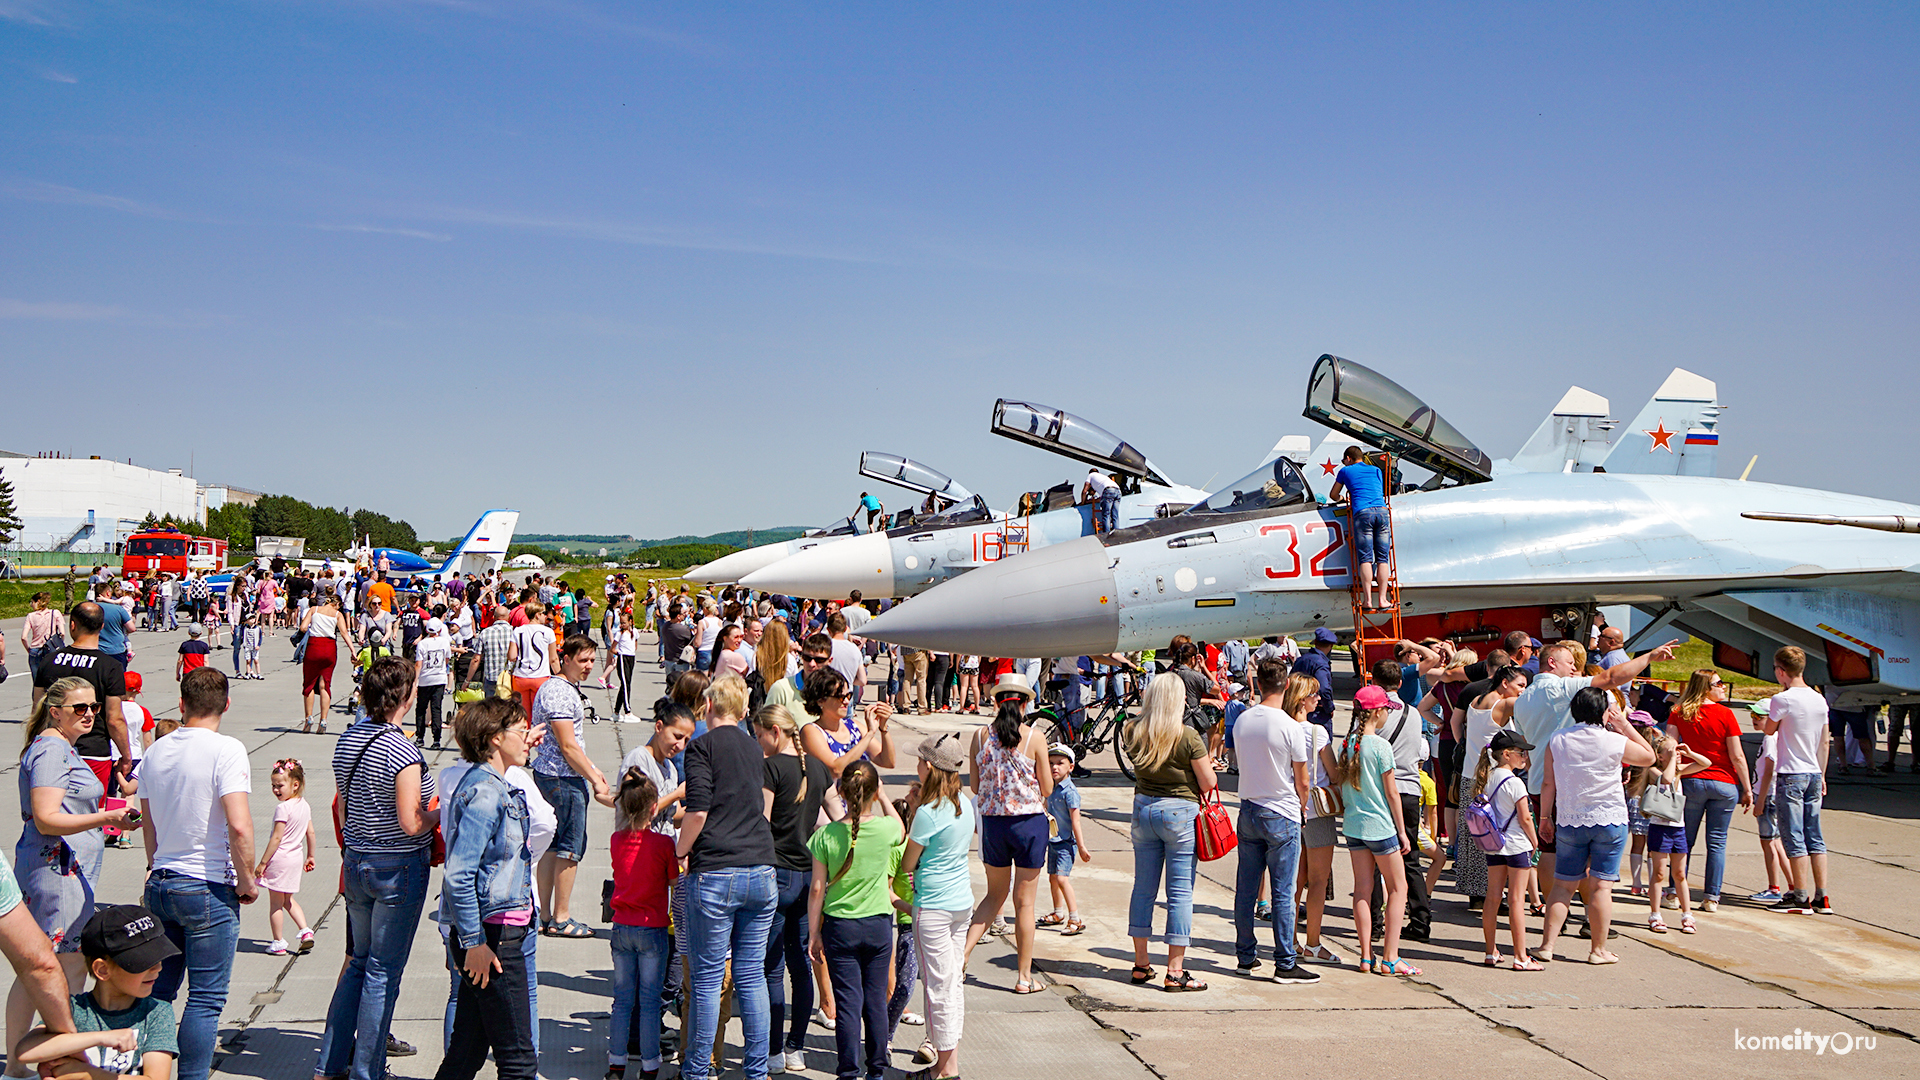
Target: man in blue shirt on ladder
(1372,539)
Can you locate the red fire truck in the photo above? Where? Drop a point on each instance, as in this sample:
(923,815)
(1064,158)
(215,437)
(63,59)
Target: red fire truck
(170,551)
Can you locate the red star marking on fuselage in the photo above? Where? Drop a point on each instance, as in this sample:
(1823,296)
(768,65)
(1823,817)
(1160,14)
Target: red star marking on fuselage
(1328,468)
(1660,435)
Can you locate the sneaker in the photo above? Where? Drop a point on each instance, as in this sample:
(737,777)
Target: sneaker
(400,1048)
(276,947)
(1670,900)
(619,1072)
(776,1065)
(1793,904)
(925,1055)
(1297,975)
(796,1060)
(306,941)
(1710,906)
(1823,905)
(436,745)
(1263,910)
(912,1019)
(1000,928)
(1246,967)
(1766,896)
(821,1019)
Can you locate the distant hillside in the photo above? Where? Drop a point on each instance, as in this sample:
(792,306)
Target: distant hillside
(579,538)
(739,538)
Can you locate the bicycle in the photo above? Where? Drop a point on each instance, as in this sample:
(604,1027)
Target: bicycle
(1104,726)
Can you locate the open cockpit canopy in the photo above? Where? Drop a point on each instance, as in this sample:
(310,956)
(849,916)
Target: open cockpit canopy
(1070,436)
(1377,411)
(910,474)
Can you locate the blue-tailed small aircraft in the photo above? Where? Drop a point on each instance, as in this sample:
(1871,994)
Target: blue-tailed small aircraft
(1746,566)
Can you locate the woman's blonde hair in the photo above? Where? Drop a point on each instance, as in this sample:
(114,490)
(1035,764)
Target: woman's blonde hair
(728,697)
(1153,734)
(1299,689)
(1462,659)
(777,718)
(1659,742)
(1699,692)
(41,718)
(770,656)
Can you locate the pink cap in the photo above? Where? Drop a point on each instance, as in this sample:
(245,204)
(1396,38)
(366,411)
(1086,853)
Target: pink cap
(1371,697)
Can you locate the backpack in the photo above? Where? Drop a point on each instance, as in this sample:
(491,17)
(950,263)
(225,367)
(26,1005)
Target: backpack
(1479,820)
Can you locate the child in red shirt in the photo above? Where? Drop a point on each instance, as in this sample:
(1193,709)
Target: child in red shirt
(644,867)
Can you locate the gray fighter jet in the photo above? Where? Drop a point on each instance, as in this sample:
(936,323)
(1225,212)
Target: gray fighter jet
(1747,566)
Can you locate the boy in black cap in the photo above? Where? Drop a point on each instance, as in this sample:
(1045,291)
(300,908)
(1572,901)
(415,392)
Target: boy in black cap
(121,1029)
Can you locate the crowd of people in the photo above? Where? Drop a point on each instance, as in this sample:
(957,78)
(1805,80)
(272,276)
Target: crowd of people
(761,866)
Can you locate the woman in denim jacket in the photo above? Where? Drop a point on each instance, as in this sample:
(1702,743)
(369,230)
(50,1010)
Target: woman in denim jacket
(487,896)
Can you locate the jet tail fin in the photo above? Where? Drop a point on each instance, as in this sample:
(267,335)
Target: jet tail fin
(1676,434)
(1295,448)
(484,548)
(1573,434)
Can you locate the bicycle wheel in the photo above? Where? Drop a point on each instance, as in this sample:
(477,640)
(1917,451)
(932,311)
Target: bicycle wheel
(1120,746)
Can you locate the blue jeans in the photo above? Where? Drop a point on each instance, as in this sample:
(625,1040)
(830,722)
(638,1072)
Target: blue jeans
(1372,536)
(1162,834)
(1713,801)
(1797,805)
(787,951)
(1106,511)
(639,971)
(385,893)
(202,919)
(1269,845)
(730,907)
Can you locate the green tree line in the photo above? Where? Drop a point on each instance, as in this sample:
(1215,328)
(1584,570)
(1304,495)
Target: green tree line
(323,527)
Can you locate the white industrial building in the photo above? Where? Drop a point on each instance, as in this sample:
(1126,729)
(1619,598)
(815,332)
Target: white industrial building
(88,504)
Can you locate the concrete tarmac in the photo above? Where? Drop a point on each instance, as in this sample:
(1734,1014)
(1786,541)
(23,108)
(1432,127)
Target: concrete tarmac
(1673,1006)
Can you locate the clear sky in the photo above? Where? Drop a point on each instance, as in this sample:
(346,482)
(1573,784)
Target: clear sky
(669,268)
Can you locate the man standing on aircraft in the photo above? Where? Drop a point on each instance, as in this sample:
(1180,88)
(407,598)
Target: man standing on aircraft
(1544,710)
(1318,662)
(1372,540)
(1100,490)
(872,506)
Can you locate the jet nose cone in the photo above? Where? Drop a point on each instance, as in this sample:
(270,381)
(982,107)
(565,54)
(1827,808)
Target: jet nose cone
(1057,600)
(831,571)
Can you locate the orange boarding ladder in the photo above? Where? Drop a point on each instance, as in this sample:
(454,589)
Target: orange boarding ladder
(1015,535)
(1376,634)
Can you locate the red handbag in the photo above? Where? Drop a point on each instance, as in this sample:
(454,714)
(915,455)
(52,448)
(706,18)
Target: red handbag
(1214,834)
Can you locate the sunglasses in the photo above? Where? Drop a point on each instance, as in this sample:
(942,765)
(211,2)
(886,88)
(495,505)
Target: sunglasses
(83,707)
(837,697)
(815,659)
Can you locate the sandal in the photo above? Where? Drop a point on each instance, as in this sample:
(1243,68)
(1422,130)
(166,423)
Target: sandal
(1183,983)
(1686,924)
(1319,954)
(1397,968)
(1050,919)
(1073,926)
(1031,986)
(572,928)
(1492,959)
(1537,910)
(1142,974)
(1526,963)
(1656,924)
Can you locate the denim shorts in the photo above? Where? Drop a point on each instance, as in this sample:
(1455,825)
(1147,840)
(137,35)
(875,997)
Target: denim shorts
(1389,846)
(1797,813)
(1768,823)
(1014,840)
(568,794)
(1060,856)
(1665,839)
(1588,851)
(1372,535)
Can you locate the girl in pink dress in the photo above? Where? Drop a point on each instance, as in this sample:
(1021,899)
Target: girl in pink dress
(288,852)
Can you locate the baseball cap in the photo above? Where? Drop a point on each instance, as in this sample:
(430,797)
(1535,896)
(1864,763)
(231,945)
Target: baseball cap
(1533,643)
(195,629)
(944,752)
(127,934)
(133,682)
(1763,707)
(1236,689)
(1370,697)
(436,627)
(1062,750)
(1641,718)
(1324,636)
(1508,739)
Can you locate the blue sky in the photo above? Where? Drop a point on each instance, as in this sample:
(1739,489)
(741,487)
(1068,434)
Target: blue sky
(662,269)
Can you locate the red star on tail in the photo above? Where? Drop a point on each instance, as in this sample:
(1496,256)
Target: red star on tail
(1660,435)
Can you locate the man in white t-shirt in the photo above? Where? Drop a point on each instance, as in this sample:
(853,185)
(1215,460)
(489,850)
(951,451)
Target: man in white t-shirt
(1100,490)
(1797,718)
(199,833)
(1272,751)
(433,658)
(1543,710)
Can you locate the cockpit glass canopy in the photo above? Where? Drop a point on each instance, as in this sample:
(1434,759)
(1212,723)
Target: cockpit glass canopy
(843,527)
(973,510)
(910,474)
(1381,413)
(1066,434)
(1275,484)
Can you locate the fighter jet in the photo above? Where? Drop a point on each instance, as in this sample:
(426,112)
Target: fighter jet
(942,492)
(909,560)
(1746,566)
